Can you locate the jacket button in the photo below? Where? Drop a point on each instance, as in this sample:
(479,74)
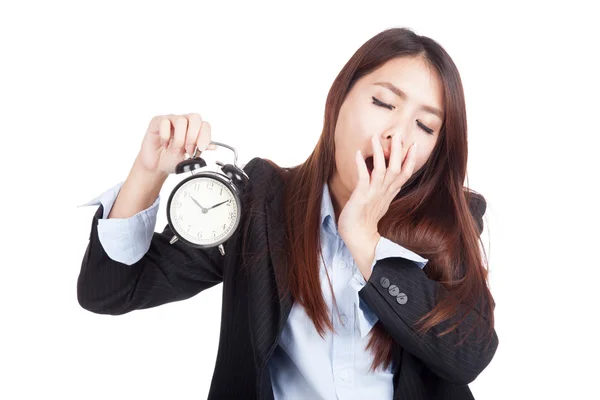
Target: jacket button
(384,282)
(393,290)
(402,298)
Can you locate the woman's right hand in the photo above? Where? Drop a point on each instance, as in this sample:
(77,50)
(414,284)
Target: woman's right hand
(169,138)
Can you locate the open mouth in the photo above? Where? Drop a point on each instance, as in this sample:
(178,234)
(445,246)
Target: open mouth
(369,163)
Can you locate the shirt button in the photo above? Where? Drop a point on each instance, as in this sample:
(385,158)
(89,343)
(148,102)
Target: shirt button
(342,264)
(344,319)
(344,375)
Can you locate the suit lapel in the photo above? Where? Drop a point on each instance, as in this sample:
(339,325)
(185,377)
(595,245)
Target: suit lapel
(270,314)
(276,237)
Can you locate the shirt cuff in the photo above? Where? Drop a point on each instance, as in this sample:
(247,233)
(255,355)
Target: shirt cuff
(125,240)
(386,248)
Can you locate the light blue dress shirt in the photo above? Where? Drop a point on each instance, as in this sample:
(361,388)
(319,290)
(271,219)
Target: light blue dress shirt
(303,365)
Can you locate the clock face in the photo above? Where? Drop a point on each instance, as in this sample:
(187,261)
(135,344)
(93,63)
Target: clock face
(204,211)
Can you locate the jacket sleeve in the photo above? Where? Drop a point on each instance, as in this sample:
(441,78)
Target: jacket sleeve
(385,248)
(399,293)
(166,272)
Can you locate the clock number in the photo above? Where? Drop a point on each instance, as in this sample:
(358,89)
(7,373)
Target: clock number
(178,204)
(214,234)
(210,185)
(186,194)
(189,227)
(224,226)
(230,215)
(197,186)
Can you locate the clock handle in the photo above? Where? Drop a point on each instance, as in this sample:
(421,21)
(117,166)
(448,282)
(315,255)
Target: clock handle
(235,154)
(234,172)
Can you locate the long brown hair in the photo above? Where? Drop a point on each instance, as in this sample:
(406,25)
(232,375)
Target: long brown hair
(429,216)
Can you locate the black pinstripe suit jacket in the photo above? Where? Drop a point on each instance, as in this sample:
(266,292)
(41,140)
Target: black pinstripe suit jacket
(252,316)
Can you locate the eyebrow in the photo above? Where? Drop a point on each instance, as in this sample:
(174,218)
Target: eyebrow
(400,93)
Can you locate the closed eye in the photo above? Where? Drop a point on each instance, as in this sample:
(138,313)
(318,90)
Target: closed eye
(425,128)
(379,103)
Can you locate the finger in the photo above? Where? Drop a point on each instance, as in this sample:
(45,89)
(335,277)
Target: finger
(164,131)
(362,183)
(204,137)
(395,165)
(378,162)
(154,125)
(409,163)
(396,155)
(193,130)
(180,124)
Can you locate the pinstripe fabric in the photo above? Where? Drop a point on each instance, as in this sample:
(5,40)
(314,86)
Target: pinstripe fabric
(253,316)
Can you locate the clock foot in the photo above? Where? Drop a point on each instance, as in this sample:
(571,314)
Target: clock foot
(222,249)
(173,239)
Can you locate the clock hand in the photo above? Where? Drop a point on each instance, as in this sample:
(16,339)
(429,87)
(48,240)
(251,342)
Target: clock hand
(216,205)
(204,210)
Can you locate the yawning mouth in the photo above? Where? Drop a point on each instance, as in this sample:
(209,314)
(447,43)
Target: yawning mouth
(369,162)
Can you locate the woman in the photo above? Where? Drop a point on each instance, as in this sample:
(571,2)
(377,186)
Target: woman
(357,273)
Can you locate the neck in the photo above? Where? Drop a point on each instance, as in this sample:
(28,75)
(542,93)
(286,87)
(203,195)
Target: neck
(339,194)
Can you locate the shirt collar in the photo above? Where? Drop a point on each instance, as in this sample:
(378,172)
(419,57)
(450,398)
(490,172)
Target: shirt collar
(327,211)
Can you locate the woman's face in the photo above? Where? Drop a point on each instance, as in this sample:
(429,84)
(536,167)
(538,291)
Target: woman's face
(373,108)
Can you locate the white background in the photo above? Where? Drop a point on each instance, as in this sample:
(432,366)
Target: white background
(80,81)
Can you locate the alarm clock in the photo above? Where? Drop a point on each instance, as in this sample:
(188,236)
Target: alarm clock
(204,209)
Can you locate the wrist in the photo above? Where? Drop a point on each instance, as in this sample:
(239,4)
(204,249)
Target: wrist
(146,176)
(361,241)
(364,252)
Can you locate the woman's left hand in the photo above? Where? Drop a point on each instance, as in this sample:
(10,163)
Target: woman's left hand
(372,197)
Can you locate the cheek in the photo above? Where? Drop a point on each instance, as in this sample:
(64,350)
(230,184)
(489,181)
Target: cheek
(423,153)
(359,123)
(367,122)
(348,136)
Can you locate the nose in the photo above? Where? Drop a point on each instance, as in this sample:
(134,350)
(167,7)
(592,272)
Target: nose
(386,142)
